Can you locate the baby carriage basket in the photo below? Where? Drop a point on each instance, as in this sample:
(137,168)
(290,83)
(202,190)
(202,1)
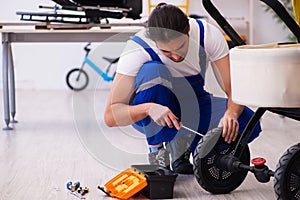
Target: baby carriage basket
(220,167)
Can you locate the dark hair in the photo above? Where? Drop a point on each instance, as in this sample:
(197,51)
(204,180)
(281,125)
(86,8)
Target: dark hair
(167,22)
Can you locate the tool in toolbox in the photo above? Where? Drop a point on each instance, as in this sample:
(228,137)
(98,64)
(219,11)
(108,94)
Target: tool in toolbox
(152,181)
(77,190)
(73,186)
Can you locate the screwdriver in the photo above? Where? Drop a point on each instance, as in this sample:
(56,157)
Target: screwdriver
(191,130)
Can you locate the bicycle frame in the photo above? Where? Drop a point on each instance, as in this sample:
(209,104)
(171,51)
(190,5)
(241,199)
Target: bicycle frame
(90,63)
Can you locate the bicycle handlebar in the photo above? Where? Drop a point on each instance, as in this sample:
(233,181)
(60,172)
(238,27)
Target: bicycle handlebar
(86,47)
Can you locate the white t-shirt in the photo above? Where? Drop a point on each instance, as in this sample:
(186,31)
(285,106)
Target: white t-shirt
(134,55)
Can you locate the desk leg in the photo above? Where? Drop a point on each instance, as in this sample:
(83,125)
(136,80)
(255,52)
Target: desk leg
(5,84)
(12,84)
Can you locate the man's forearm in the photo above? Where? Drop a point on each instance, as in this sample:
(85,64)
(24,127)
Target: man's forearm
(234,108)
(123,115)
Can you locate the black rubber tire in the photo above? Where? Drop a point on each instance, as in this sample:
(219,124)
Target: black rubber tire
(213,179)
(287,175)
(73,84)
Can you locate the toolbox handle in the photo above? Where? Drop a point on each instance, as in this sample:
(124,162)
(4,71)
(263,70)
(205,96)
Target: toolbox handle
(103,190)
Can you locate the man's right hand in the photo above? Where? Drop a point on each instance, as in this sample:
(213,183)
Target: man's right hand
(163,116)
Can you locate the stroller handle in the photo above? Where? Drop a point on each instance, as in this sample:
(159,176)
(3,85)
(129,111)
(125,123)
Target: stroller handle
(284,16)
(216,15)
(274,4)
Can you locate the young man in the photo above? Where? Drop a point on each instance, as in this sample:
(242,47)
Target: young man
(159,84)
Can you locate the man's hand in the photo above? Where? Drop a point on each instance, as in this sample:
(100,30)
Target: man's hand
(163,116)
(230,127)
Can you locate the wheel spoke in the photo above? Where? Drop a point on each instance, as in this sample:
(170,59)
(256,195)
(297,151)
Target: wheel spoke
(215,149)
(295,193)
(209,165)
(212,154)
(295,184)
(297,173)
(209,162)
(220,174)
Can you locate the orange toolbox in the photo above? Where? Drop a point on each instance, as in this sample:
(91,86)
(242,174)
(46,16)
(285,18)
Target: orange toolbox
(126,184)
(151,181)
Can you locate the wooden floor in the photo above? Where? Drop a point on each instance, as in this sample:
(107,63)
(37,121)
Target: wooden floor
(61,137)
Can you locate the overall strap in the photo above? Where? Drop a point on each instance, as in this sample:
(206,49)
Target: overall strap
(202,54)
(147,48)
(155,57)
(201,32)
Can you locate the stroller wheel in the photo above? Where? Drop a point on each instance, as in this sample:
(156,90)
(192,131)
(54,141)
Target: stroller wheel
(287,175)
(213,179)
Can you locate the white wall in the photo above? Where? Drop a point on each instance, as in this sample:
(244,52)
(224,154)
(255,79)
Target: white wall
(44,66)
(39,66)
(265,30)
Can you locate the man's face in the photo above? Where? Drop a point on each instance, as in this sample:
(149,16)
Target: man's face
(175,49)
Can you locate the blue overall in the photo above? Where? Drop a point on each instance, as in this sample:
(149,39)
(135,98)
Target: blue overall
(184,96)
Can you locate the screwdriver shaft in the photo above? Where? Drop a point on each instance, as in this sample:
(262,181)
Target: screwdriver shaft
(191,130)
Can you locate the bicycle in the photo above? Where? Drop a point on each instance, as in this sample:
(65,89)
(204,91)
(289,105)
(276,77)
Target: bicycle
(77,79)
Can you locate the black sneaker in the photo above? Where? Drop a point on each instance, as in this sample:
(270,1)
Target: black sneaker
(182,165)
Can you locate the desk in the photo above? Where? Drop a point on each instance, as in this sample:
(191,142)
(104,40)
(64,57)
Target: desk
(27,36)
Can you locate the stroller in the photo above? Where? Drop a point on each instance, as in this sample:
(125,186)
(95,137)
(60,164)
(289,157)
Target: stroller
(220,167)
(94,11)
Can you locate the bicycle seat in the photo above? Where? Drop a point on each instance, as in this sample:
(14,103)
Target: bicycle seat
(111,60)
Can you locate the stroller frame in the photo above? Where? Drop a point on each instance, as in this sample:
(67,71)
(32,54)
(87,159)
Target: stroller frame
(94,11)
(233,160)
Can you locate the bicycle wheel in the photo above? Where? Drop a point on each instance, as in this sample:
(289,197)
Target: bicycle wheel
(287,175)
(213,179)
(77,79)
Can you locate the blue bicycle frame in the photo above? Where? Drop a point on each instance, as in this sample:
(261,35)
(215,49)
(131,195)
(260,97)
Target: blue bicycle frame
(104,75)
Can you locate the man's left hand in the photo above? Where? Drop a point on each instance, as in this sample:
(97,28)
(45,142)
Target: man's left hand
(230,127)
